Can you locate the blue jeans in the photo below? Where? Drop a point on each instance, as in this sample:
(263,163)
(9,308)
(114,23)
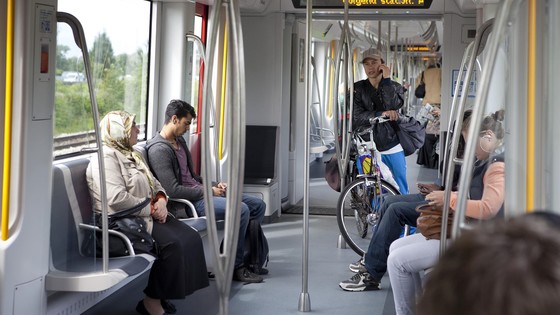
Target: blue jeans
(397,164)
(251,208)
(395,212)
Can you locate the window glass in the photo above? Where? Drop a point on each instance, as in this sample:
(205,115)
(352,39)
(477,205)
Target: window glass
(196,72)
(118,51)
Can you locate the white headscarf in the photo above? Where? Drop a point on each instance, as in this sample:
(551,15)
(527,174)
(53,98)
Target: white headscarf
(116,128)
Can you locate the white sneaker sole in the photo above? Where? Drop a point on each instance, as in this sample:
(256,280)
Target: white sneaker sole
(357,288)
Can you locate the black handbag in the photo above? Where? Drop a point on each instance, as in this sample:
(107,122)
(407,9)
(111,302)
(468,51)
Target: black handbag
(133,226)
(420,90)
(332,173)
(411,134)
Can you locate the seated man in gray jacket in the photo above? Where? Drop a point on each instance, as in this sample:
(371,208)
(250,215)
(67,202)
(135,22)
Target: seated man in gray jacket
(171,162)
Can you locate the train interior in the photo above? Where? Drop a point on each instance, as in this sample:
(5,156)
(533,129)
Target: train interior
(277,70)
(279,293)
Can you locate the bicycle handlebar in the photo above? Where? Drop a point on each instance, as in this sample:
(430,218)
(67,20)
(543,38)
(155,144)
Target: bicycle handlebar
(378,119)
(373,121)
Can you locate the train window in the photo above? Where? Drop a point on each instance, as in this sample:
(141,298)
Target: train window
(196,74)
(195,89)
(118,53)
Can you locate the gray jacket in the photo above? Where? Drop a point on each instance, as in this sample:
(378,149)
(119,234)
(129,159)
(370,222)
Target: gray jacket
(165,167)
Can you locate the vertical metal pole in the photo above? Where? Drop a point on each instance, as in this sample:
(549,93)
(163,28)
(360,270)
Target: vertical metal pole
(478,111)
(342,125)
(388,53)
(236,137)
(379,35)
(453,114)
(304,304)
(481,37)
(80,40)
(200,46)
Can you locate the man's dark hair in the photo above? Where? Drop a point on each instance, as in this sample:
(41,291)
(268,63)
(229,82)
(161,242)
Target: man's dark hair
(178,108)
(501,267)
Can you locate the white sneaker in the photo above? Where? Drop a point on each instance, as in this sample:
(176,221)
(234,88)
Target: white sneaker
(358,266)
(361,281)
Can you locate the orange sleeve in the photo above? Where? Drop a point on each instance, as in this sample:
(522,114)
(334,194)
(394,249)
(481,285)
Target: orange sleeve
(492,196)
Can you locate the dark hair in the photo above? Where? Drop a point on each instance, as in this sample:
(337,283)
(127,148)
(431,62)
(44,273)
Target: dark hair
(500,267)
(491,122)
(178,108)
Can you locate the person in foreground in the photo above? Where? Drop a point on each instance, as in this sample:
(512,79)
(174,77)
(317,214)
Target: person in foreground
(180,266)
(410,256)
(171,162)
(501,268)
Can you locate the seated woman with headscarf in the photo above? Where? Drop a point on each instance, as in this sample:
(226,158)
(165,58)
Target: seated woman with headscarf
(180,266)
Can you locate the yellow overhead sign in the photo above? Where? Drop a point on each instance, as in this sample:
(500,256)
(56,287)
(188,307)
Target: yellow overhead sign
(419,48)
(379,4)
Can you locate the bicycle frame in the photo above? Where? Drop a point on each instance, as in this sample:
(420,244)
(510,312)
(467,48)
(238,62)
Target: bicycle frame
(367,155)
(367,165)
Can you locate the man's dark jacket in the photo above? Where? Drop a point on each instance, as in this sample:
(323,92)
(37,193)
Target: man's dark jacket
(370,102)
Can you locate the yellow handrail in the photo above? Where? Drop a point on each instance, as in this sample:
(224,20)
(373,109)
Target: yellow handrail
(223,96)
(531,76)
(8,120)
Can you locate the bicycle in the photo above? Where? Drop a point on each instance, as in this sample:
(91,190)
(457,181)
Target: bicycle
(360,200)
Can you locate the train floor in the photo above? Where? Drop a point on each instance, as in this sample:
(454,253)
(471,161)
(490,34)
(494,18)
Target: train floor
(282,288)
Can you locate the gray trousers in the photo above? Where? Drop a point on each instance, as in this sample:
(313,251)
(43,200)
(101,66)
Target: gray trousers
(408,258)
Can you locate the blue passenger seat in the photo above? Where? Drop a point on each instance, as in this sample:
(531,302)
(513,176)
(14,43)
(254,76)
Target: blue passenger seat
(69,270)
(71,218)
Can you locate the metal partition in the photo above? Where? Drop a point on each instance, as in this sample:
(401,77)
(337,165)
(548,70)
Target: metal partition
(450,158)
(235,127)
(343,125)
(342,113)
(453,114)
(502,19)
(212,106)
(80,40)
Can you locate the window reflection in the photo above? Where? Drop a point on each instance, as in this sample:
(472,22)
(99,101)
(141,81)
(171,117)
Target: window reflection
(118,53)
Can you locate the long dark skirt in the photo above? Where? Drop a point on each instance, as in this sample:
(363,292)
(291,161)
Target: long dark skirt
(427,155)
(180,268)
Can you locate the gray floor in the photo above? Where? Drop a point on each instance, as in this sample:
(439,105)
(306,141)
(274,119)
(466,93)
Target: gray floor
(280,292)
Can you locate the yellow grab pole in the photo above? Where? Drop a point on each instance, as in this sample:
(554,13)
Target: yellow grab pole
(8,120)
(223,96)
(531,75)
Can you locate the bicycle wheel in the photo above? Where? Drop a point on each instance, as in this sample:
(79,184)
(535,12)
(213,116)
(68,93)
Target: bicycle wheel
(359,199)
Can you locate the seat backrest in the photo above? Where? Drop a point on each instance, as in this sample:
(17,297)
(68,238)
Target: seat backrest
(71,205)
(141,148)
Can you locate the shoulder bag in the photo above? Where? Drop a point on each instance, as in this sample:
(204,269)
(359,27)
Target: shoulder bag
(420,90)
(429,221)
(133,226)
(411,134)
(332,173)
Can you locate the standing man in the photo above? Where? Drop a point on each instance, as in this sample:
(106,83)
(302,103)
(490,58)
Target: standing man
(430,112)
(171,162)
(377,96)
